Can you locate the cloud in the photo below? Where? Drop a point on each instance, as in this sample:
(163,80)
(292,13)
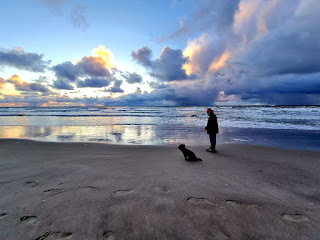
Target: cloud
(78,17)
(251,51)
(2,82)
(55,5)
(90,67)
(168,67)
(116,87)
(22,60)
(167,95)
(133,78)
(290,48)
(95,83)
(210,16)
(143,56)
(268,54)
(42,79)
(62,84)
(201,52)
(67,70)
(34,99)
(27,87)
(93,66)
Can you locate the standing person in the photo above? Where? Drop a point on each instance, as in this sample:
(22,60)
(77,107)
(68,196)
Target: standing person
(212,129)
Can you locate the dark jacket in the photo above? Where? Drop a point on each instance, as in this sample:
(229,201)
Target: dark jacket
(212,125)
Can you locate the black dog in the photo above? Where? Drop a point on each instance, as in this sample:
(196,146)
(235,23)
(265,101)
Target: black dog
(188,155)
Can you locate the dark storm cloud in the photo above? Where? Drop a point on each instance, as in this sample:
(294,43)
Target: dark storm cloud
(62,84)
(67,70)
(133,78)
(166,95)
(94,83)
(168,67)
(277,61)
(22,60)
(212,15)
(116,87)
(291,48)
(282,84)
(38,87)
(143,56)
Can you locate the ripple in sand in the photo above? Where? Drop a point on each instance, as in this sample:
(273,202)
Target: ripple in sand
(32,183)
(55,236)
(194,200)
(160,189)
(43,236)
(3,215)
(54,191)
(122,192)
(294,217)
(109,235)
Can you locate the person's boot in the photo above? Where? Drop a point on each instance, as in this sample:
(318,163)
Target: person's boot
(212,149)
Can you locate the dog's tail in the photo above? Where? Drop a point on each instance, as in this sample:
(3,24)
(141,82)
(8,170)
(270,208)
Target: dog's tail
(198,159)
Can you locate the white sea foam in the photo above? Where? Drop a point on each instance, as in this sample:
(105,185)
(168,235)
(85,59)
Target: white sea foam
(270,117)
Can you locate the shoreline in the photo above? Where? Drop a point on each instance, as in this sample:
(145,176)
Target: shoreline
(281,138)
(110,191)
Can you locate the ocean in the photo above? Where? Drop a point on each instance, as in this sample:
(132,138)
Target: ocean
(295,127)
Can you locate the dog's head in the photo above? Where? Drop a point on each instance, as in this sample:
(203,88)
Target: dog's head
(182,146)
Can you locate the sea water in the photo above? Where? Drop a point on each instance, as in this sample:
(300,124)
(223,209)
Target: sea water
(284,126)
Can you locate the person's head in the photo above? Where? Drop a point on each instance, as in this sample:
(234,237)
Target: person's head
(209,110)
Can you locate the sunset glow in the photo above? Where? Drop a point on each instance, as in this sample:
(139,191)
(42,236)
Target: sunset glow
(220,62)
(161,57)
(105,54)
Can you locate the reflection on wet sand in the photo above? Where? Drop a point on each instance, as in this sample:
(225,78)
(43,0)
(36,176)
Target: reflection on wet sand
(163,135)
(120,134)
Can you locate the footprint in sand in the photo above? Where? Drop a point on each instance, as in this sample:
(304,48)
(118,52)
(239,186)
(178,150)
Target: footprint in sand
(122,192)
(54,191)
(160,189)
(55,236)
(109,235)
(294,217)
(31,183)
(29,219)
(90,188)
(199,201)
(3,215)
(239,204)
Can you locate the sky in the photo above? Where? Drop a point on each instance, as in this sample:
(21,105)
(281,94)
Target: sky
(159,52)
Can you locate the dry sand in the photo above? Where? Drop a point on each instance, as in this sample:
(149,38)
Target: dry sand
(100,191)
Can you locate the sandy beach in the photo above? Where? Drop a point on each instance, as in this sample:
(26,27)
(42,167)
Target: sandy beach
(102,191)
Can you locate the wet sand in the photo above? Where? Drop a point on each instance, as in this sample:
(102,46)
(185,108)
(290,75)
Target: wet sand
(103,191)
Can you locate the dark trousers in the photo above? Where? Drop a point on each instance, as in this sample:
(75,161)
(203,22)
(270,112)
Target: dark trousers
(213,140)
